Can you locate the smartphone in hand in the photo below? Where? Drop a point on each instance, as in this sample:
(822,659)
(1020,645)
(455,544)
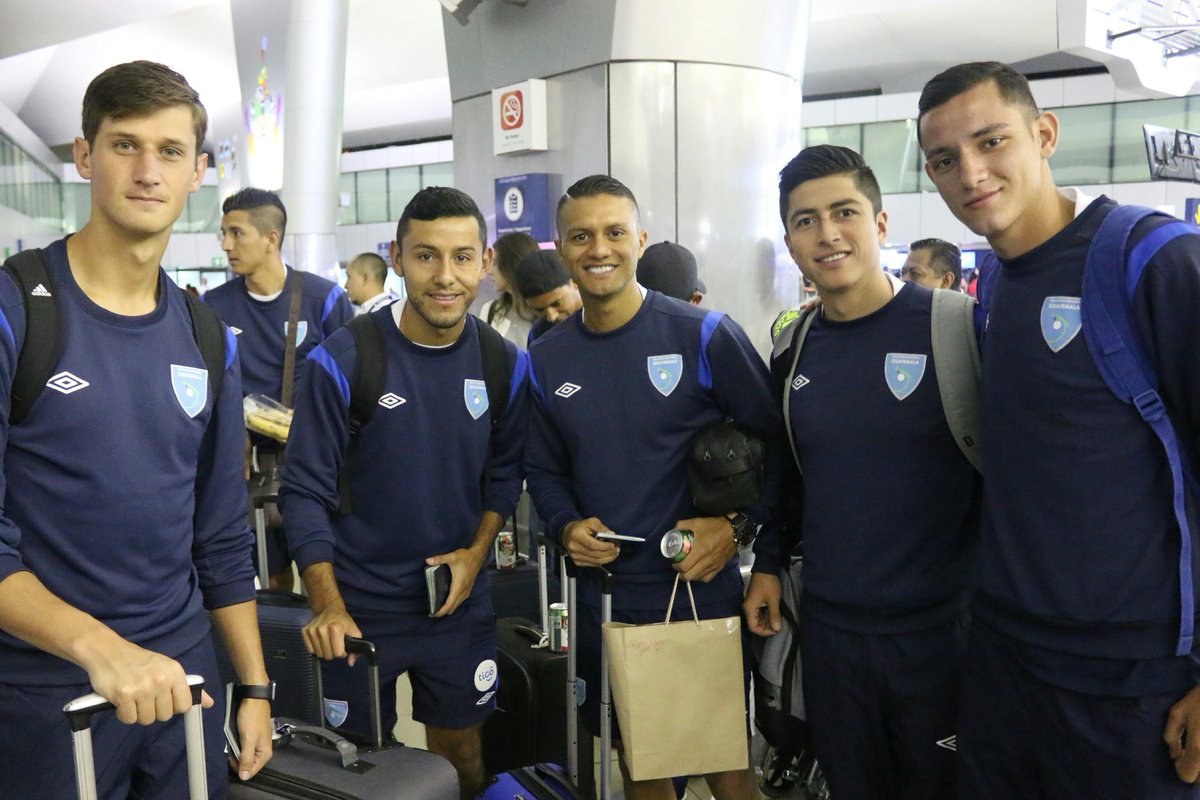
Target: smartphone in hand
(437,582)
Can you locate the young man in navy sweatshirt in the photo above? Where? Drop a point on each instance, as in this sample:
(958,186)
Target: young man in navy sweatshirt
(256,304)
(889,504)
(431,479)
(115,537)
(621,389)
(1073,685)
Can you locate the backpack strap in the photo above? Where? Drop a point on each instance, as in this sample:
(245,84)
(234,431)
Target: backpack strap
(956,363)
(496,376)
(42,345)
(1109,281)
(788,346)
(370,375)
(209,333)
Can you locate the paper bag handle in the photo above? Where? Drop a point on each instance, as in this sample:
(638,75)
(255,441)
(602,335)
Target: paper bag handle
(692,597)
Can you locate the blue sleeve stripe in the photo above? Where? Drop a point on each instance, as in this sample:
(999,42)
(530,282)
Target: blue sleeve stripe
(320,355)
(520,370)
(711,320)
(230,348)
(8,329)
(330,301)
(1145,250)
(533,381)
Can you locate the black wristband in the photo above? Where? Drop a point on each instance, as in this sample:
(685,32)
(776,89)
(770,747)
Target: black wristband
(254,691)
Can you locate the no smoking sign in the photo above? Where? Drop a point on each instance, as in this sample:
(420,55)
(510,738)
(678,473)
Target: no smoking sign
(512,110)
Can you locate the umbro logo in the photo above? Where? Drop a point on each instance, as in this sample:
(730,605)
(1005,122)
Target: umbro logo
(390,400)
(236,331)
(567,389)
(40,291)
(800,382)
(67,383)
(485,698)
(950,743)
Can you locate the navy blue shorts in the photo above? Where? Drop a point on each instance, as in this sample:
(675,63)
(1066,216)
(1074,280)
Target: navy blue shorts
(882,709)
(1021,737)
(451,663)
(132,761)
(588,648)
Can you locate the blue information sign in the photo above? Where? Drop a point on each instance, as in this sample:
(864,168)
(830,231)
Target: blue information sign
(523,204)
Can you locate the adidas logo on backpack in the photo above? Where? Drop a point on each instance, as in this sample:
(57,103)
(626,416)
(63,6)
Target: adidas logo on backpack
(40,291)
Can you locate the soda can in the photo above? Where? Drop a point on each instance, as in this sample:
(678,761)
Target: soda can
(558,627)
(677,544)
(506,550)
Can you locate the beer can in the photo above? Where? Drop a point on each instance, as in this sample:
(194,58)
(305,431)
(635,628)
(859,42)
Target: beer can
(677,544)
(506,550)
(558,627)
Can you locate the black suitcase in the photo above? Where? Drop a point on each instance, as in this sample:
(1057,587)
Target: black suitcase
(516,591)
(312,763)
(532,721)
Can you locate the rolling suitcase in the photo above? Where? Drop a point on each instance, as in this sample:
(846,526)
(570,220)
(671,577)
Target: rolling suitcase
(79,712)
(530,724)
(315,763)
(281,616)
(547,781)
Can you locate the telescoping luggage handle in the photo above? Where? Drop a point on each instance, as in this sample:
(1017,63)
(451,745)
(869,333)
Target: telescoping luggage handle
(79,713)
(261,501)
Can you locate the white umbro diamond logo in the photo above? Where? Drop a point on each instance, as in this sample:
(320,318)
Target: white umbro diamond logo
(66,383)
(567,389)
(800,382)
(236,331)
(950,743)
(390,400)
(40,291)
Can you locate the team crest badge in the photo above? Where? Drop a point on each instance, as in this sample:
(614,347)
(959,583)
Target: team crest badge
(904,372)
(1061,321)
(336,712)
(665,372)
(191,388)
(476,397)
(301,330)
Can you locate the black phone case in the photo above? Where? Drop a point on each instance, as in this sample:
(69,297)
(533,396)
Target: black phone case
(437,581)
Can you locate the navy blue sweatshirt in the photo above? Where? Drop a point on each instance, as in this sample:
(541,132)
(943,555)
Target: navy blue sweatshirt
(890,504)
(417,473)
(614,416)
(1079,552)
(123,493)
(324,308)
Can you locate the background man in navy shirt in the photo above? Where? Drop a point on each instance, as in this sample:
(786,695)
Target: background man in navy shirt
(255,304)
(431,478)
(547,288)
(609,438)
(883,615)
(1072,682)
(116,536)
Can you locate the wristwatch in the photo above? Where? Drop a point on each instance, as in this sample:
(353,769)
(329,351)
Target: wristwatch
(744,528)
(254,691)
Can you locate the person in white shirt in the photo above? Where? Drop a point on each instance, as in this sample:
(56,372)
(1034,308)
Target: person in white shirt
(365,275)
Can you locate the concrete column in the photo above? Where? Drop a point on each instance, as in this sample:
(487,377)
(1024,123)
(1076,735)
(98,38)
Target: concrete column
(694,104)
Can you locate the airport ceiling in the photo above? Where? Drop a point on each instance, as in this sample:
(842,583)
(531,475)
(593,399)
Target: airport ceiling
(396,79)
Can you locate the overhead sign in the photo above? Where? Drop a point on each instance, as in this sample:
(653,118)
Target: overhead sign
(1192,210)
(524,205)
(519,118)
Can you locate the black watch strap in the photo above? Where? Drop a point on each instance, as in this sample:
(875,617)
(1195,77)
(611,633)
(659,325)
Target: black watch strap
(744,528)
(254,691)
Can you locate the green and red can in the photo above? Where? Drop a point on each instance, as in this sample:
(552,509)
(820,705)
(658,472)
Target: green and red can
(677,544)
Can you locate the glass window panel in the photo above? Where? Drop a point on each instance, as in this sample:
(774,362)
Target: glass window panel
(347,214)
(437,174)
(403,183)
(1084,153)
(1129,145)
(890,149)
(841,135)
(372,195)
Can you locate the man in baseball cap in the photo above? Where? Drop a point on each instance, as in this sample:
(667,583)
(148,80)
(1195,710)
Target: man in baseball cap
(671,269)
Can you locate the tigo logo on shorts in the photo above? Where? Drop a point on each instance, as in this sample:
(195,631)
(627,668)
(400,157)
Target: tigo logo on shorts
(485,675)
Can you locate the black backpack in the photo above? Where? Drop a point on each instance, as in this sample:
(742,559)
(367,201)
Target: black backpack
(43,346)
(370,375)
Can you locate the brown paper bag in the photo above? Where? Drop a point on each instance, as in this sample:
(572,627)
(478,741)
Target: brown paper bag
(678,691)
